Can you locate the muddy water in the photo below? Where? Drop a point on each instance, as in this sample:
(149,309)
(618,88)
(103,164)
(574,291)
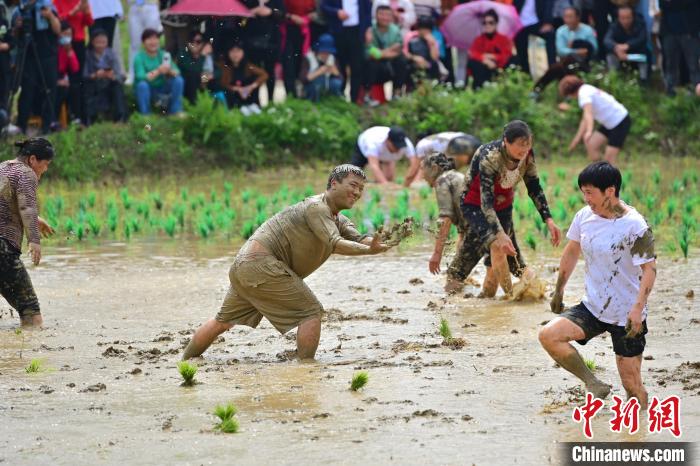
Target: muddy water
(117,317)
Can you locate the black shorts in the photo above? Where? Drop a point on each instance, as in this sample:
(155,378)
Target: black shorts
(358,158)
(15,284)
(592,327)
(617,135)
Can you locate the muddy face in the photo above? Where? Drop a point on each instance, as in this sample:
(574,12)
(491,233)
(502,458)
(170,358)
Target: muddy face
(602,203)
(347,192)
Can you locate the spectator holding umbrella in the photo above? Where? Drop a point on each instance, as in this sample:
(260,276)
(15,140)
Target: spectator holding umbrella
(490,51)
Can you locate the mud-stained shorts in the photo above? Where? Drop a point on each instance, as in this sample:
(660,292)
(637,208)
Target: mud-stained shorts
(475,244)
(592,327)
(266,287)
(15,285)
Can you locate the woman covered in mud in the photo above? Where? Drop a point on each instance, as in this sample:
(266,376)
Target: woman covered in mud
(267,275)
(618,248)
(440,172)
(19,212)
(487,207)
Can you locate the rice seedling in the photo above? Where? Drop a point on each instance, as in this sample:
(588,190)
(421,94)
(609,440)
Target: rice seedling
(684,240)
(260,203)
(375,196)
(561,173)
(91,199)
(203,229)
(126,199)
(656,177)
(556,191)
(246,196)
(432,211)
(671,206)
(227,423)
(378,219)
(260,218)
(184,194)
(626,178)
(33,367)
(19,332)
(359,380)
(94,223)
(187,371)
(212,195)
(179,213)
(573,201)
(445,331)
(80,231)
(590,364)
(248,229)
(531,241)
(228,188)
(397,233)
(229,426)
(650,203)
(127,230)
(424,192)
(677,186)
(309,191)
(169,225)
(544,176)
(157,201)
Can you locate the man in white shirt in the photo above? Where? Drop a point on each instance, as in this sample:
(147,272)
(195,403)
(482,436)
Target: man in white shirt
(381,147)
(618,248)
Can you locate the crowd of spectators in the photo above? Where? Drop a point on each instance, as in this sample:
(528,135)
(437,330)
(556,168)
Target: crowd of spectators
(64,57)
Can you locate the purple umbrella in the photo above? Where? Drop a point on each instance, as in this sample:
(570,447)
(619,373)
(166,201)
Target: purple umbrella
(463,24)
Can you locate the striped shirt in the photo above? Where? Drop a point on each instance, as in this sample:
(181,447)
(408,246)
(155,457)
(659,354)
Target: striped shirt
(19,208)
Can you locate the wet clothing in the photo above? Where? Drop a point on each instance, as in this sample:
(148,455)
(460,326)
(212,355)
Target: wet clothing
(19,210)
(299,240)
(614,250)
(475,244)
(592,327)
(490,184)
(436,143)
(448,189)
(372,143)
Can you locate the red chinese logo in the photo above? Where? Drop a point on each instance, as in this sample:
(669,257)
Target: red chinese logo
(587,412)
(626,416)
(665,414)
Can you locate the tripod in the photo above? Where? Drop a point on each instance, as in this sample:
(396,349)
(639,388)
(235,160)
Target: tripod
(28,43)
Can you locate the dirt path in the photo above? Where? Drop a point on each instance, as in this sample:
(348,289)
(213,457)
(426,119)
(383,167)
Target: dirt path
(118,317)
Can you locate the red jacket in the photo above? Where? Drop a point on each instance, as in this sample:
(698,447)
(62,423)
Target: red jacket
(78,21)
(67,64)
(498,45)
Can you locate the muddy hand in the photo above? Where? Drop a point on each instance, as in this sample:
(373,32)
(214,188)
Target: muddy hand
(434,264)
(376,246)
(45,229)
(633,328)
(35,252)
(557,303)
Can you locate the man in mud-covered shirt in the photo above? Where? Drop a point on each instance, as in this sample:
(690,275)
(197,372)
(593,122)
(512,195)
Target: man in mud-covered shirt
(618,248)
(267,274)
(487,206)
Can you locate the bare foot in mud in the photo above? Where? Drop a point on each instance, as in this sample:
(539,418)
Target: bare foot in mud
(599,389)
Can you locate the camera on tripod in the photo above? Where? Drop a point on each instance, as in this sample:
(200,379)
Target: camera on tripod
(29,14)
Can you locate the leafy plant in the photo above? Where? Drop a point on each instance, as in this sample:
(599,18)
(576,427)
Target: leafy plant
(445,331)
(227,423)
(33,367)
(359,380)
(590,364)
(187,371)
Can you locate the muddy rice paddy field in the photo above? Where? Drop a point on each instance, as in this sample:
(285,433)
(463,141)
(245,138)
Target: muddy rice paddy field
(117,317)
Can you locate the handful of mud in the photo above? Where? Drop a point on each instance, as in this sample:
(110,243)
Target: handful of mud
(396,233)
(530,287)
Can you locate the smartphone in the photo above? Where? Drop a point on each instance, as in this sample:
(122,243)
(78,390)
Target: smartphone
(167,58)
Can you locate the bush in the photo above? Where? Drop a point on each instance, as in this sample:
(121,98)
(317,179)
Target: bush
(298,130)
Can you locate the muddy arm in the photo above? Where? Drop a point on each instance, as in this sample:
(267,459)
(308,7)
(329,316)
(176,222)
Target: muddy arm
(645,286)
(567,264)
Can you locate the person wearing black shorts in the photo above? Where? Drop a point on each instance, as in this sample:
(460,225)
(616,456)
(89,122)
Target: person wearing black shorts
(618,247)
(613,118)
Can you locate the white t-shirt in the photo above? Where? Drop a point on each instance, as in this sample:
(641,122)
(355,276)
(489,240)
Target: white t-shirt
(352,8)
(435,143)
(528,14)
(613,255)
(372,143)
(606,110)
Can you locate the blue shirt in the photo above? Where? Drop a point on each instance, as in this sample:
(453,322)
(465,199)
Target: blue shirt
(566,35)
